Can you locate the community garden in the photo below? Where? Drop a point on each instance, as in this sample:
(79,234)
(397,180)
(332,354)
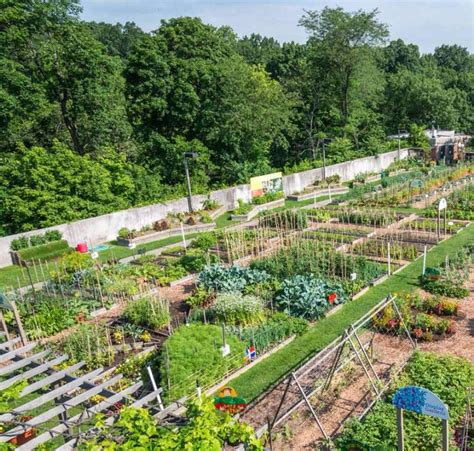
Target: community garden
(215,306)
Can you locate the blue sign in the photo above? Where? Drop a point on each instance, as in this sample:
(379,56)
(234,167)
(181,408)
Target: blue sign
(420,400)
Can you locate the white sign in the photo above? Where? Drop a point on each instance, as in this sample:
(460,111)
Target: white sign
(95,255)
(132,245)
(442,204)
(353,275)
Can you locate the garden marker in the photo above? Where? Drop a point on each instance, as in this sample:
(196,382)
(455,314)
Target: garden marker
(424,259)
(420,400)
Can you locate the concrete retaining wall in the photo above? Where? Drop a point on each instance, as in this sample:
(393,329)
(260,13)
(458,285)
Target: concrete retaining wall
(105,228)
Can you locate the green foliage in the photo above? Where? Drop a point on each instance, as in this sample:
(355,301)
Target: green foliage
(193,352)
(9,394)
(87,342)
(309,297)
(238,310)
(149,312)
(204,241)
(24,242)
(45,251)
(287,219)
(242,209)
(446,376)
(138,429)
(233,279)
(268,197)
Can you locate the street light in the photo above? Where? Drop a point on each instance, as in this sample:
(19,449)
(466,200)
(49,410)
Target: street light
(399,131)
(325,140)
(187,155)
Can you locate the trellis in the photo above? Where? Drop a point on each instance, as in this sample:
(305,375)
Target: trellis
(306,385)
(64,393)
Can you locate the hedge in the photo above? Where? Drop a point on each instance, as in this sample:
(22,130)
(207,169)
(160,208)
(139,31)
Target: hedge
(45,251)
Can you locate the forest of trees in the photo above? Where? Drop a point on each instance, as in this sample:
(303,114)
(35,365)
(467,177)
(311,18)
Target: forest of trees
(95,117)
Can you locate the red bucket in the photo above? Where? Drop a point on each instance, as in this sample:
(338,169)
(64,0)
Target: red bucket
(82,248)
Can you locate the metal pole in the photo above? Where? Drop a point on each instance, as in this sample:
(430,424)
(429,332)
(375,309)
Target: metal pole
(445,439)
(400,429)
(398,154)
(424,259)
(324,161)
(188,183)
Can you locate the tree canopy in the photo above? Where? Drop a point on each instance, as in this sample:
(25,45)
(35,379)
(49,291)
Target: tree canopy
(95,116)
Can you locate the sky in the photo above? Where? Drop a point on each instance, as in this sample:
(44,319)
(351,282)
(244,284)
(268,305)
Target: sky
(427,23)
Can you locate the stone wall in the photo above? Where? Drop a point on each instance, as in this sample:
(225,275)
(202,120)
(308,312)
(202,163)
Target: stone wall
(105,228)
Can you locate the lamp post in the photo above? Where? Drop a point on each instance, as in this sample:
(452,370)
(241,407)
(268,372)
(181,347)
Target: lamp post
(187,155)
(399,139)
(325,140)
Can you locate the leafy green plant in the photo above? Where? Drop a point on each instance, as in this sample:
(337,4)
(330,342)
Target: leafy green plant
(268,197)
(148,311)
(238,309)
(210,204)
(90,343)
(204,241)
(309,297)
(201,298)
(233,279)
(137,429)
(242,209)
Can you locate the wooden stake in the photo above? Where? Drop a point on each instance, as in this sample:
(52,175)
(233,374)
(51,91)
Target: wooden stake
(19,323)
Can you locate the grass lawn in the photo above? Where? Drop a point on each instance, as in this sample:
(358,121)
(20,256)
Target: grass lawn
(11,275)
(118,252)
(256,380)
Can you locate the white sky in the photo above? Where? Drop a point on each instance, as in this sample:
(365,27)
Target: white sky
(427,23)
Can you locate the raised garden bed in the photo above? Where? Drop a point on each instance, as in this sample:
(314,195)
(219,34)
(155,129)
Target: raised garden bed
(48,251)
(256,209)
(175,231)
(338,189)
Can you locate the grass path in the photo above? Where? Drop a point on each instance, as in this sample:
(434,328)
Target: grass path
(259,378)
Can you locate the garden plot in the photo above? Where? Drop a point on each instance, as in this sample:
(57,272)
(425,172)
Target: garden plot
(418,189)
(460,203)
(341,381)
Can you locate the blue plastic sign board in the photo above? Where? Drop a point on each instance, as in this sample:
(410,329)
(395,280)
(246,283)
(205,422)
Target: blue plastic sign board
(420,400)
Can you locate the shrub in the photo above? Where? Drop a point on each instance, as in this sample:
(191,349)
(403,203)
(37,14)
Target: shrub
(53,235)
(149,312)
(238,309)
(45,251)
(194,352)
(20,243)
(124,233)
(233,279)
(309,297)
